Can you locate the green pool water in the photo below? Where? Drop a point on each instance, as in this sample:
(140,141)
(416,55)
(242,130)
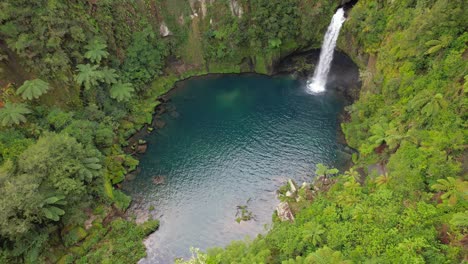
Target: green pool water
(229,139)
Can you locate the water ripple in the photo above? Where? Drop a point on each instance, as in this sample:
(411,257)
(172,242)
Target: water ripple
(236,138)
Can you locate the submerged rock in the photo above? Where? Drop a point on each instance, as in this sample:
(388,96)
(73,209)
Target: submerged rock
(284,212)
(157,180)
(159,123)
(130,177)
(142,148)
(174,114)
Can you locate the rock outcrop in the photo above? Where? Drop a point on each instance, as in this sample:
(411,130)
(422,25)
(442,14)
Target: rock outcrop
(284,212)
(236,8)
(164,30)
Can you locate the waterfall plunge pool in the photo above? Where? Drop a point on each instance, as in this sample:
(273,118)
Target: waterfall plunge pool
(226,140)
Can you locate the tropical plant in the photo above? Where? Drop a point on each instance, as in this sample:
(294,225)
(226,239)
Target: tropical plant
(382,180)
(109,75)
(91,168)
(460,219)
(313,232)
(88,75)
(438,44)
(33,89)
(50,209)
(453,189)
(121,91)
(323,170)
(326,255)
(96,50)
(13,114)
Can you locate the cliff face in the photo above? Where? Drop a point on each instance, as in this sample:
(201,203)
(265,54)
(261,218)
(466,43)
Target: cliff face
(242,35)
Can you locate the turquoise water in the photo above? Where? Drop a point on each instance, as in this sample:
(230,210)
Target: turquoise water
(233,139)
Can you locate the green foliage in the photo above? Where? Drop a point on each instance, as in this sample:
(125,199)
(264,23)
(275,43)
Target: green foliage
(33,89)
(88,75)
(12,144)
(145,58)
(121,91)
(453,189)
(59,119)
(13,114)
(121,244)
(96,50)
(38,183)
(122,201)
(49,208)
(323,170)
(274,23)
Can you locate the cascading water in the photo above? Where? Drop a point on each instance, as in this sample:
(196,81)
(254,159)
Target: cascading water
(319,80)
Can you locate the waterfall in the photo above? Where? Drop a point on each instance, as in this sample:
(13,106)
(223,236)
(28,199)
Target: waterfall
(319,80)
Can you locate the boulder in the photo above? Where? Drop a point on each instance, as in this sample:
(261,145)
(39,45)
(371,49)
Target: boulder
(159,123)
(305,185)
(284,212)
(174,114)
(158,180)
(132,175)
(292,186)
(164,30)
(236,8)
(142,148)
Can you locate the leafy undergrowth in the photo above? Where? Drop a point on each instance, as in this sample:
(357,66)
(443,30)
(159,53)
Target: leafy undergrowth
(111,239)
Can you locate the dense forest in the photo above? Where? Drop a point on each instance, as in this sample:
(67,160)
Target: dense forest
(78,78)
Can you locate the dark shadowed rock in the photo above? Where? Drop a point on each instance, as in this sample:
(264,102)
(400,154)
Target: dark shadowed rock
(159,123)
(174,114)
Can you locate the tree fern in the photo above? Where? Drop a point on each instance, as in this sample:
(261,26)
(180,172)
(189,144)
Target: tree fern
(13,114)
(109,76)
(50,209)
(88,75)
(438,44)
(460,219)
(121,91)
(96,50)
(33,89)
(453,189)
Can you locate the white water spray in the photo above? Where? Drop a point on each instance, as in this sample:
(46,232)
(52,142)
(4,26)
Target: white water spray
(319,80)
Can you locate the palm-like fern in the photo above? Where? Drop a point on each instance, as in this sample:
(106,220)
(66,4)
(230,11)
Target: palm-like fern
(33,89)
(326,255)
(323,170)
(121,91)
(109,76)
(382,180)
(453,189)
(50,209)
(314,232)
(91,168)
(460,219)
(96,50)
(438,44)
(13,114)
(429,104)
(88,75)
